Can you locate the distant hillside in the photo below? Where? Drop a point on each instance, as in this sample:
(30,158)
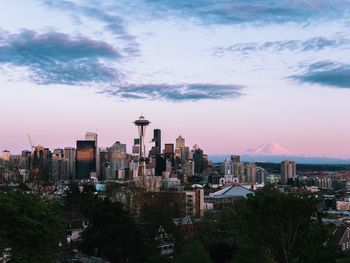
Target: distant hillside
(280,158)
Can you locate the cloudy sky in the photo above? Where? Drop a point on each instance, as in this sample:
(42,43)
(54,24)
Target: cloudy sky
(227,75)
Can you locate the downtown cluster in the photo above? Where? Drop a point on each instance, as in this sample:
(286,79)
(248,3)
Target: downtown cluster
(170,204)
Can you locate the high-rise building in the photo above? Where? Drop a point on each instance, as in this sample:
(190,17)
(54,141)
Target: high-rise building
(288,170)
(169,148)
(227,167)
(85,160)
(59,166)
(25,160)
(261,175)
(180,142)
(169,151)
(239,171)
(104,165)
(160,165)
(198,160)
(117,158)
(92,136)
(136,146)
(156,149)
(185,153)
(157,139)
(5,155)
(69,157)
(41,163)
(235,158)
(250,173)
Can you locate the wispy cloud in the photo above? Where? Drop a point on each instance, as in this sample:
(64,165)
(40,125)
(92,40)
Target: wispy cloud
(56,58)
(176,93)
(326,73)
(252,11)
(113,23)
(312,44)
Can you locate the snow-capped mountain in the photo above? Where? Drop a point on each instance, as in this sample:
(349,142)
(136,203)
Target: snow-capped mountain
(271,149)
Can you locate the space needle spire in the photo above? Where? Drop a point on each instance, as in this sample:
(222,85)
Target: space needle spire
(141,124)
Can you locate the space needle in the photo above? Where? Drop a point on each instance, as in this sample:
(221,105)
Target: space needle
(141,123)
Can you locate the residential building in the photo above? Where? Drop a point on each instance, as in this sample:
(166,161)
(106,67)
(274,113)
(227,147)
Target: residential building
(288,170)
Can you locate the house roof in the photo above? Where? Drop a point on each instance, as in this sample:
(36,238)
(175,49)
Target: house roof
(233,191)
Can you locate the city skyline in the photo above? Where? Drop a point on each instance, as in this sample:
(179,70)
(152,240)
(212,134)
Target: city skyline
(226,75)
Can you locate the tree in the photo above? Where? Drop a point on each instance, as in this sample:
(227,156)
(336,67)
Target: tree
(193,252)
(284,227)
(72,198)
(113,235)
(30,228)
(216,234)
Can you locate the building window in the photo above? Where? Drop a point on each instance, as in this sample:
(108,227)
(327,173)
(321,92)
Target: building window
(343,246)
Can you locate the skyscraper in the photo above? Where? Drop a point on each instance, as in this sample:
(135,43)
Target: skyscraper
(104,165)
(157,140)
(117,158)
(198,160)
(69,157)
(236,158)
(85,160)
(169,152)
(180,142)
(288,170)
(250,173)
(5,155)
(92,136)
(136,146)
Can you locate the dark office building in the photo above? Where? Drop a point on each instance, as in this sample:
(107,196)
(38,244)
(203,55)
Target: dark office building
(104,165)
(41,163)
(198,161)
(160,165)
(156,149)
(85,160)
(157,140)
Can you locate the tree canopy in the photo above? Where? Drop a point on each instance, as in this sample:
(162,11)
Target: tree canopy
(279,227)
(30,228)
(113,235)
(194,252)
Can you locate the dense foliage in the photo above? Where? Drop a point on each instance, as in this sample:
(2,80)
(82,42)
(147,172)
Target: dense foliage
(30,227)
(269,226)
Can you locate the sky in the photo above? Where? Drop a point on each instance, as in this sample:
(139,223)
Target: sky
(228,75)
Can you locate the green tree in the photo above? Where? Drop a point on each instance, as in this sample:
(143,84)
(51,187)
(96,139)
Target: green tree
(284,227)
(193,252)
(216,234)
(113,235)
(30,227)
(73,197)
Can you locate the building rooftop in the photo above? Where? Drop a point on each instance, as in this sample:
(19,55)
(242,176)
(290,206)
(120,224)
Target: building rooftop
(232,191)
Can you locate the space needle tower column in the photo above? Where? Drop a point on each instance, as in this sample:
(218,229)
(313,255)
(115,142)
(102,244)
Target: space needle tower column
(141,123)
